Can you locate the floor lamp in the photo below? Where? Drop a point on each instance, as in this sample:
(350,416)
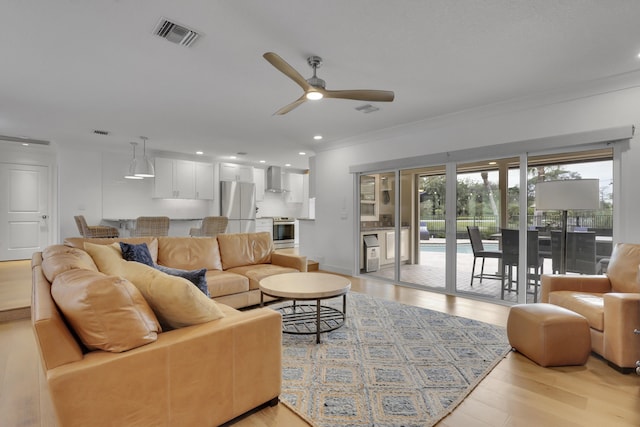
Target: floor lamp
(567,195)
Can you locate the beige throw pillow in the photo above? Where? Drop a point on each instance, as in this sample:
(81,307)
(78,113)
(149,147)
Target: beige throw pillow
(106,312)
(174,300)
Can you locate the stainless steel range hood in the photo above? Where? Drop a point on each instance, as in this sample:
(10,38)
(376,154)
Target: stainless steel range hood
(274,179)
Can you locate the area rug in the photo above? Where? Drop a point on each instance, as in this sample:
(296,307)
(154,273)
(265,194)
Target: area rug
(390,365)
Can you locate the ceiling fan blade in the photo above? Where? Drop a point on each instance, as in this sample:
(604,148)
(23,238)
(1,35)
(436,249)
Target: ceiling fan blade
(286,69)
(287,108)
(361,95)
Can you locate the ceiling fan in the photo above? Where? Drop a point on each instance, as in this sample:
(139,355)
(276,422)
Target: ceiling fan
(314,87)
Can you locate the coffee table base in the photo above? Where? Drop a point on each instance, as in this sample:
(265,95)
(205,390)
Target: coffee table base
(306,319)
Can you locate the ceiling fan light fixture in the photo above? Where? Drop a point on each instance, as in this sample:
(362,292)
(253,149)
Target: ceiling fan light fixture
(314,88)
(314,96)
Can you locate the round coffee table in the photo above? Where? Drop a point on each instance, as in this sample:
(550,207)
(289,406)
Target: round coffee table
(308,318)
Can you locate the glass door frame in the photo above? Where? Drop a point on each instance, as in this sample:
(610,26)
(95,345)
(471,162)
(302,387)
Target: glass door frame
(450,220)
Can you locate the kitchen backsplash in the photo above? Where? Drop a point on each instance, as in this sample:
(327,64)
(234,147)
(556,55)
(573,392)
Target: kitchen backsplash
(274,204)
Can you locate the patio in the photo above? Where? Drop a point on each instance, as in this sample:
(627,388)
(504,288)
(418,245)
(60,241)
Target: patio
(430,272)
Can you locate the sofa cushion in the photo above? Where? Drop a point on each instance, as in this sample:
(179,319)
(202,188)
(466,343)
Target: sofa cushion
(57,259)
(623,268)
(221,283)
(241,249)
(189,253)
(255,273)
(106,312)
(589,305)
(140,253)
(152,243)
(174,300)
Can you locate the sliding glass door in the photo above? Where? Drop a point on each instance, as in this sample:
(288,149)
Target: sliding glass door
(423,211)
(378,231)
(472,228)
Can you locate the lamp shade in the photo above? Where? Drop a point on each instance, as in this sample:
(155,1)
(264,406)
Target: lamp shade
(131,170)
(566,195)
(144,168)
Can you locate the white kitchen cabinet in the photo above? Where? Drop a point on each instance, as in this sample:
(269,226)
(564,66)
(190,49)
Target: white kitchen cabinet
(404,244)
(184,179)
(294,185)
(163,181)
(259,179)
(388,246)
(175,179)
(264,224)
(369,198)
(204,181)
(236,172)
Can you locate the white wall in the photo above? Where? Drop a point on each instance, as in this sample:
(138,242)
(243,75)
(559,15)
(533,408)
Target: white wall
(91,183)
(79,188)
(330,239)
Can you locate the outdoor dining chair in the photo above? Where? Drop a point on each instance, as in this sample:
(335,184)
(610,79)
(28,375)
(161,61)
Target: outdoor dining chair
(510,258)
(479,252)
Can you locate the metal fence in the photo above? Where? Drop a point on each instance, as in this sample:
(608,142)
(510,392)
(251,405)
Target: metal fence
(602,224)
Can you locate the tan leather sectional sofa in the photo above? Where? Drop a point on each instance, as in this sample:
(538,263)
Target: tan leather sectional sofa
(126,367)
(610,303)
(235,262)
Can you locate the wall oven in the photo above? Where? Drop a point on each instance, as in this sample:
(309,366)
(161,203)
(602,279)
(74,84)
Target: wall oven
(283,232)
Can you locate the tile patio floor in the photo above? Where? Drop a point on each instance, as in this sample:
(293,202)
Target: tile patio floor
(431,271)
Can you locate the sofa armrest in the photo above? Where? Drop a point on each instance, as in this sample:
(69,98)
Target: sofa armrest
(204,374)
(579,283)
(621,317)
(298,262)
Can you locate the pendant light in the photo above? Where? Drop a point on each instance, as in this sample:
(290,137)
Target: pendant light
(144,168)
(132,165)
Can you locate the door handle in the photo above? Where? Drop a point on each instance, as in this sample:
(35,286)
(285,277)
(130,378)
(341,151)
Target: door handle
(45,216)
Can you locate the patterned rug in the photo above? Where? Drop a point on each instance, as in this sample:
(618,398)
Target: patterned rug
(390,365)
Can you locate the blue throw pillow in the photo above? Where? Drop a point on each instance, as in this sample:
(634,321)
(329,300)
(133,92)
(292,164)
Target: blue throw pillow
(140,253)
(197,277)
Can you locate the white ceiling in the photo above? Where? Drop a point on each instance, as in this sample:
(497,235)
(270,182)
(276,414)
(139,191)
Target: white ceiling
(69,67)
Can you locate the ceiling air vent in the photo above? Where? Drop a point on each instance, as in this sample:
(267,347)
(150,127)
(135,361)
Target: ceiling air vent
(101,132)
(367,108)
(175,33)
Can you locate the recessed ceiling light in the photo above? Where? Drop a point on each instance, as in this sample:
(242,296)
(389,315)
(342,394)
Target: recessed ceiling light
(302,153)
(317,137)
(232,157)
(24,144)
(199,153)
(288,164)
(263,161)
(493,163)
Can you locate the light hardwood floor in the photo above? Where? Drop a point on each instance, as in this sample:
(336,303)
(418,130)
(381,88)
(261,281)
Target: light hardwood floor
(516,393)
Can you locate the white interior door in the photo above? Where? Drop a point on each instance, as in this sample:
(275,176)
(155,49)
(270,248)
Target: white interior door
(24,215)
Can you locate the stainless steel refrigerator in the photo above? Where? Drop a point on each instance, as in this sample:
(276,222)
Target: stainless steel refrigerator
(238,203)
